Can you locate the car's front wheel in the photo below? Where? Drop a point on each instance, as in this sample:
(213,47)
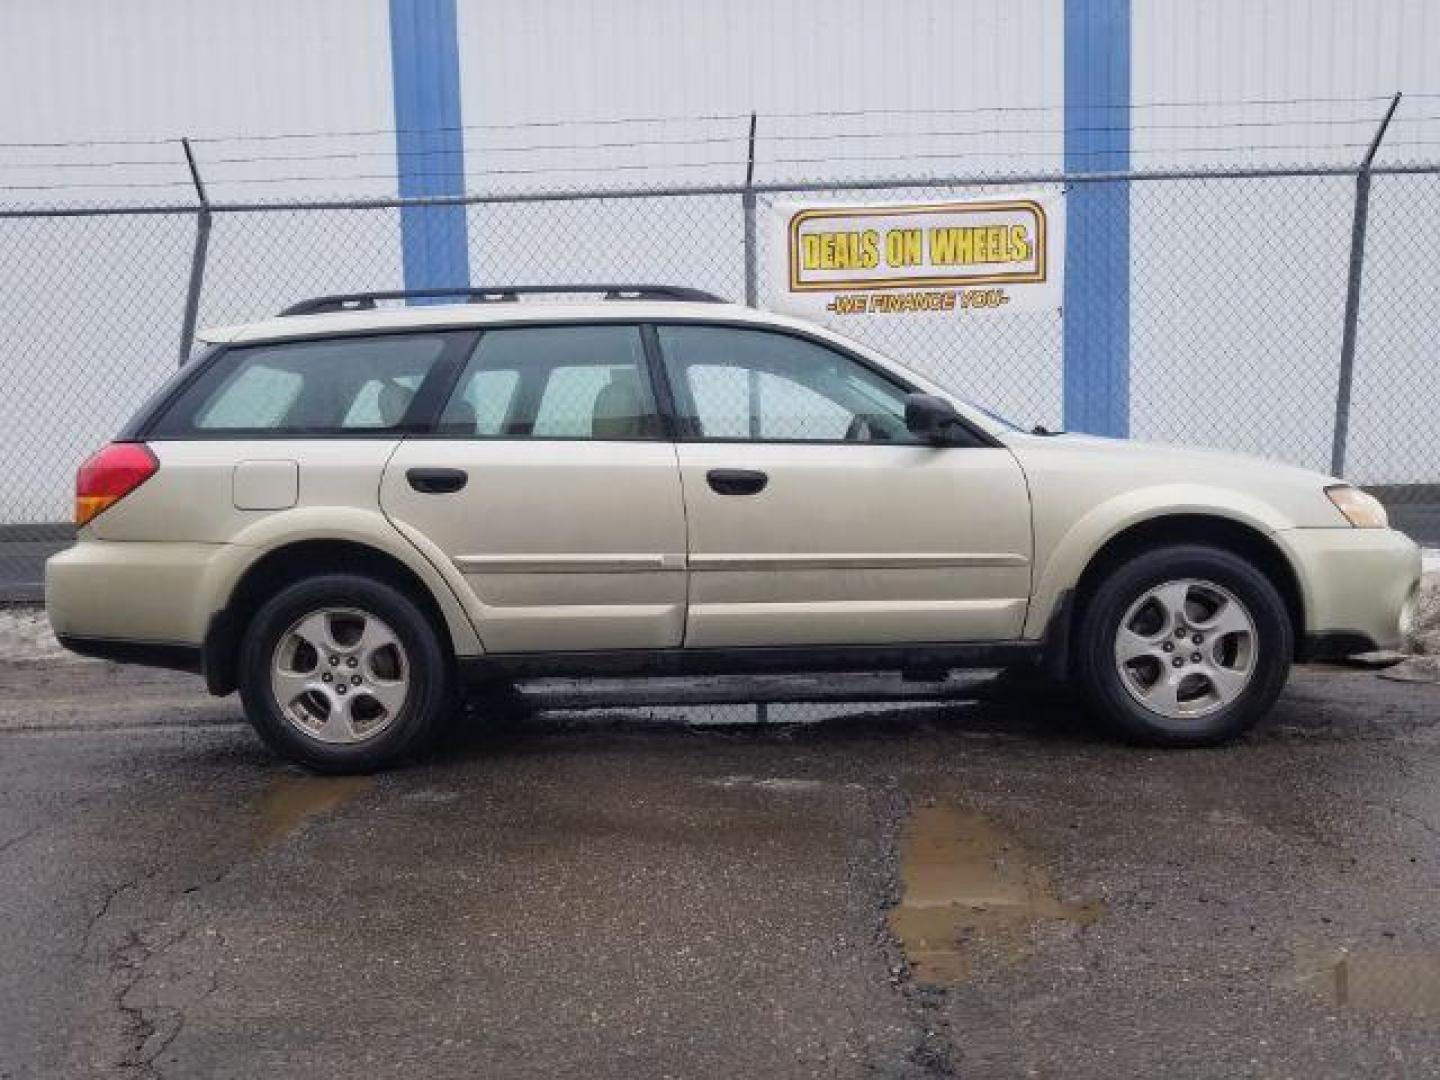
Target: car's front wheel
(1186,645)
(343,673)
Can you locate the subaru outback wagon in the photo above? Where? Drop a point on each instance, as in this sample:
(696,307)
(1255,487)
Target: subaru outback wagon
(349,512)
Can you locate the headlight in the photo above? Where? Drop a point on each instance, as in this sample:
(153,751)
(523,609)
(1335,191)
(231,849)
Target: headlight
(1361,510)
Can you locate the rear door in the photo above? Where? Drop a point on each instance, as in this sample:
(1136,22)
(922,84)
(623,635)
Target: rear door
(549,486)
(816,518)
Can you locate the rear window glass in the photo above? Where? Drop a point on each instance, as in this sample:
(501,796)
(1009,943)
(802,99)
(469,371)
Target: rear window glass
(554,382)
(351,384)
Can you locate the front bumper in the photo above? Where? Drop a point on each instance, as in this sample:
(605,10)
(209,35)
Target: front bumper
(1359,588)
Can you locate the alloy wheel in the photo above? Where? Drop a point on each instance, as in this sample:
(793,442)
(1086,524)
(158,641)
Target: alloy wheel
(340,675)
(1186,648)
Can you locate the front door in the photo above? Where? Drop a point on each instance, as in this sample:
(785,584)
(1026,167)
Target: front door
(549,487)
(816,518)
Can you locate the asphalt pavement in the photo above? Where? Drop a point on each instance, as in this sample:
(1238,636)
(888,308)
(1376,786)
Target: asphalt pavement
(901,890)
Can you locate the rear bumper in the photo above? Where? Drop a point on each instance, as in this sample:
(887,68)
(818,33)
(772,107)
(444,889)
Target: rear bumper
(132,592)
(1359,587)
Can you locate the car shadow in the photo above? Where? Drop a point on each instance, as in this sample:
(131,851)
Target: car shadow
(1014,705)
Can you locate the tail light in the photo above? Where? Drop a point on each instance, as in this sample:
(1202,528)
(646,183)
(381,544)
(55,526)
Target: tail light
(109,476)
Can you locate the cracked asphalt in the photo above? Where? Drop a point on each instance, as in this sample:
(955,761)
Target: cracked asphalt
(970,889)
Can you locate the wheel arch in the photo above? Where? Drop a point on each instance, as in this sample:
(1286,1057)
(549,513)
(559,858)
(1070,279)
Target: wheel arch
(1216,530)
(293,561)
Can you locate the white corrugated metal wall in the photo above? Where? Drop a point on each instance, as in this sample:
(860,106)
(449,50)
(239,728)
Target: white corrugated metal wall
(906,83)
(85,70)
(1318,74)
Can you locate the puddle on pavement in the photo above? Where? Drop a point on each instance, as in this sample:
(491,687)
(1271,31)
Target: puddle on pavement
(1374,980)
(969,889)
(290,801)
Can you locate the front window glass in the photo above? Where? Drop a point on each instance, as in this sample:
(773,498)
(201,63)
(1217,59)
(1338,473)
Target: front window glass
(734,383)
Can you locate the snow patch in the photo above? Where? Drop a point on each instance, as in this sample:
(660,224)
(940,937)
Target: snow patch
(1425,636)
(768,783)
(25,635)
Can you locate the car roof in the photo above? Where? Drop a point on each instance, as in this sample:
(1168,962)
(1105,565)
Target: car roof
(448,316)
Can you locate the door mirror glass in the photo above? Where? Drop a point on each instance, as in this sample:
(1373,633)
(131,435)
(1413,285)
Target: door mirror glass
(933,419)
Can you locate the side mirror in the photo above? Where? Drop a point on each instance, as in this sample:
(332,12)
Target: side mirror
(932,418)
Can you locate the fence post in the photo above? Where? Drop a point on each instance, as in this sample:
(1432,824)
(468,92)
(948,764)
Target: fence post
(197,258)
(747,202)
(1352,296)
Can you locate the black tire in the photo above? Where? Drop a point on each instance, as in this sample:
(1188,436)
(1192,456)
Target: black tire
(429,699)
(1099,621)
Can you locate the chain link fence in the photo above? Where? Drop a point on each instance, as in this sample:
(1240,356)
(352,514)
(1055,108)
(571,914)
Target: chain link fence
(1237,311)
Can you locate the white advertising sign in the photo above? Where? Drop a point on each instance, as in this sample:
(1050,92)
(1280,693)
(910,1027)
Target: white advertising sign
(998,253)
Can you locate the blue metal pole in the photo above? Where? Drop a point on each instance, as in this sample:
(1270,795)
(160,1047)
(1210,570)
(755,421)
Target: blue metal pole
(1097,243)
(429,142)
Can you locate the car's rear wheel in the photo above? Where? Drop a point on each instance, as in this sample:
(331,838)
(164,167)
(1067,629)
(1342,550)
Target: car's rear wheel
(1187,645)
(343,673)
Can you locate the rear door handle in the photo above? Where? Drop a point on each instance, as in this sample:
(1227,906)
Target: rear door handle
(737,481)
(436,481)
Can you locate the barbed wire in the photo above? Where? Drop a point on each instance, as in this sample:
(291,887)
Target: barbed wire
(172,203)
(734,163)
(453,152)
(523,125)
(769,145)
(761,139)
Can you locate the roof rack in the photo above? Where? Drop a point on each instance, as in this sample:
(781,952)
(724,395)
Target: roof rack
(484,294)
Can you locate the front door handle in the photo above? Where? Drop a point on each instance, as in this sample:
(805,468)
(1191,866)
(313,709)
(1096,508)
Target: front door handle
(436,481)
(737,481)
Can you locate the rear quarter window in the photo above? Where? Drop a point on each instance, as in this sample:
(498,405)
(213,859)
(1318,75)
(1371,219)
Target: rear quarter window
(328,386)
